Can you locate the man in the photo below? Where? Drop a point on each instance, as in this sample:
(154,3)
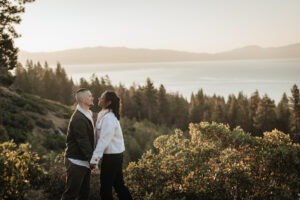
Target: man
(80,146)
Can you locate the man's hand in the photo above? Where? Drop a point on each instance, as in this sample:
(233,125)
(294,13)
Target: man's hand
(92,166)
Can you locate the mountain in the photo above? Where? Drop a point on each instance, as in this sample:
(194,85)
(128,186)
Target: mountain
(101,55)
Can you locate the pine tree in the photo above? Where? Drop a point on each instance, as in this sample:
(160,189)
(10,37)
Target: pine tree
(265,116)
(179,111)
(295,114)
(9,16)
(151,100)
(137,97)
(243,112)
(197,106)
(232,111)
(254,101)
(123,93)
(283,114)
(163,105)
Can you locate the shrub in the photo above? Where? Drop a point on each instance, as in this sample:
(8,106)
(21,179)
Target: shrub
(215,162)
(3,134)
(19,170)
(43,123)
(54,183)
(18,126)
(54,142)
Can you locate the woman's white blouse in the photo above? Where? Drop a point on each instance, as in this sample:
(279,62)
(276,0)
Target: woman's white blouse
(109,137)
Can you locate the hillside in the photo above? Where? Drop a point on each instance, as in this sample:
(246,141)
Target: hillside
(101,55)
(29,118)
(43,123)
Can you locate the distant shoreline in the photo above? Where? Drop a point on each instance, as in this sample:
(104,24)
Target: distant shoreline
(170,62)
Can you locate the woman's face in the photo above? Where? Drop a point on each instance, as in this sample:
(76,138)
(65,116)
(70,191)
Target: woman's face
(102,102)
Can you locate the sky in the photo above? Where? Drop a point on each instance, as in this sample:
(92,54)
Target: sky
(187,25)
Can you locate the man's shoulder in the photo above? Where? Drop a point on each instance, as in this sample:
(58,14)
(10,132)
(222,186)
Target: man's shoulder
(78,116)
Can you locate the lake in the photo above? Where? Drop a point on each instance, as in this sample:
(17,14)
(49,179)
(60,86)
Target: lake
(273,77)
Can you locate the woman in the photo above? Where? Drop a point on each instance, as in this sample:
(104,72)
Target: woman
(110,147)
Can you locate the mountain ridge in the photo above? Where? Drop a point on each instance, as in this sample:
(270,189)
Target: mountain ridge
(110,55)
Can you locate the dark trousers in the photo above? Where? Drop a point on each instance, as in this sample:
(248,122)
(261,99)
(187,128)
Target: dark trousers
(77,182)
(111,175)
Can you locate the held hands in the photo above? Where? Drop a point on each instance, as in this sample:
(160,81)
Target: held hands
(92,166)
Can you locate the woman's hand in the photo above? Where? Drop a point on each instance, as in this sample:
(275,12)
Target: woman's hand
(92,166)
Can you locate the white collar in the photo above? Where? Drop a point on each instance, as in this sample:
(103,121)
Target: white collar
(87,114)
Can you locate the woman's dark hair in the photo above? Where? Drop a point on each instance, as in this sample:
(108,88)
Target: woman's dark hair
(115,105)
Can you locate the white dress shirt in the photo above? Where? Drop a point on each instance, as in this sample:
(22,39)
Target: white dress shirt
(109,136)
(76,161)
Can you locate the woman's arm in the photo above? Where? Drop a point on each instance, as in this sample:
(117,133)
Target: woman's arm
(107,132)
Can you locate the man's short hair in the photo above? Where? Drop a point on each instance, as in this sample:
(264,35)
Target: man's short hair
(80,93)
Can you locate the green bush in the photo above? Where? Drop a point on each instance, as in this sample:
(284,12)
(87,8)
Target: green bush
(54,142)
(19,169)
(29,103)
(54,183)
(43,123)
(217,163)
(18,126)
(3,134)
(139,137)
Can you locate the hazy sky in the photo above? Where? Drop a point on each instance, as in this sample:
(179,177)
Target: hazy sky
(188,25)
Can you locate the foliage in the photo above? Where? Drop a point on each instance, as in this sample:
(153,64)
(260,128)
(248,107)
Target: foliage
(145,102)
(139,137)
(45,82)
(9,15)
(295,117)
(18,126)
(44,123)
(55,180)
(3,134)
(215,162)
(19,169)
(54,142)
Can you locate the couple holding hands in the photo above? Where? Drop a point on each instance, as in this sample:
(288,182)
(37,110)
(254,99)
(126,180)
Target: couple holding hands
(88,143)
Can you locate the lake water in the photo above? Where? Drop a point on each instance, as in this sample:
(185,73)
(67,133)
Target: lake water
(273,77)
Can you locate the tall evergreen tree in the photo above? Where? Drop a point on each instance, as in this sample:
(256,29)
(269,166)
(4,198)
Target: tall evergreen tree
(151,100)
(163,105)
(295,114)
(232,112)
(283,114)
(137,97)
(197,107)
(243,119)
(265,116)
(10,11)
(179,111)
(254,101)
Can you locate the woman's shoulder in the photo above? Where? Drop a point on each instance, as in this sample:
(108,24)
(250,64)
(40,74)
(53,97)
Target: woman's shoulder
(110,115)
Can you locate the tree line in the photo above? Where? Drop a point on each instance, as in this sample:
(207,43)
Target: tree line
(255,114)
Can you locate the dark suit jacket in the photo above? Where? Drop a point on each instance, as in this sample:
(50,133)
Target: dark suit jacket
(80,137)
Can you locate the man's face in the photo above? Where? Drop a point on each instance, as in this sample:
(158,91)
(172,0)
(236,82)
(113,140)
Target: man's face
(88,99)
